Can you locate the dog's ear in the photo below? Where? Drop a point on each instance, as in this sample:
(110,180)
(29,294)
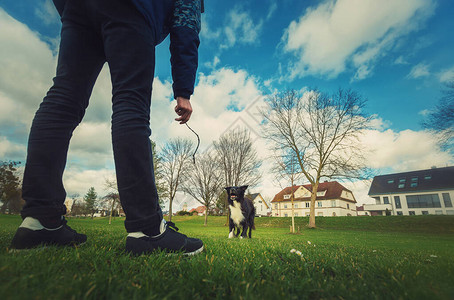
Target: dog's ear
(228,189)
(243,188)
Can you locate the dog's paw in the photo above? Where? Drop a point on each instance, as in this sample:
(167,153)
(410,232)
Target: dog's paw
(231,235)
(241,237)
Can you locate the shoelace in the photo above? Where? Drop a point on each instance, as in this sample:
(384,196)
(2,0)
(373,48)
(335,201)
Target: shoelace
(172,225)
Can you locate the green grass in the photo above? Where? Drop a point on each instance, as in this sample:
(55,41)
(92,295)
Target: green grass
(395,257)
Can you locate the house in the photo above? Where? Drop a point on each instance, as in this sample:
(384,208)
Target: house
(413,193)
(261,207)
(333,199)
(200,210)
(360,211)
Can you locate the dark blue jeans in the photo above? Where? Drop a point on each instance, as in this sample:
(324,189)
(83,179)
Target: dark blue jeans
(94,32)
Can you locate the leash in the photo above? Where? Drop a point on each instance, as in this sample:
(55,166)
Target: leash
(198,142)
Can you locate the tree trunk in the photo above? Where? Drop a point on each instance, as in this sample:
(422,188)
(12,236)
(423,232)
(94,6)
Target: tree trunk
(111,212)
(293,210)
(170,209)
(313,198)
(206,216)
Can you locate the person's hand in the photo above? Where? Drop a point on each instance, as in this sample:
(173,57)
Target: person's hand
(183,109)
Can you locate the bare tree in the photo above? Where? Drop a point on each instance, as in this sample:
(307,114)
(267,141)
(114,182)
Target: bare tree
(321,130)
(238,159)
(287,168)
(204,182)
(113,196)
(441,120)
(175,165)
(158,174)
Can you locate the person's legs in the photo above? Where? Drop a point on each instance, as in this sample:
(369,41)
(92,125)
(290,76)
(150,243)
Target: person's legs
(130,48)
(80,60)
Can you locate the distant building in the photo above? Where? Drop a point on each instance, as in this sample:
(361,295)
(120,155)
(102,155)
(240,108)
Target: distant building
(261,207)
(333,199)
(413,193)
(199,210)
(360,211)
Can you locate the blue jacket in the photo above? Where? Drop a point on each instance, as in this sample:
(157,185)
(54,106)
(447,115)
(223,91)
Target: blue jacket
(180,19)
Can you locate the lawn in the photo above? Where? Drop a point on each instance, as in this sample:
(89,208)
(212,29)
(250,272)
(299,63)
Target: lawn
(408,257)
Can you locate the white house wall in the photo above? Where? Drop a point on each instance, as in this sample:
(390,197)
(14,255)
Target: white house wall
(340,208)
(405,210)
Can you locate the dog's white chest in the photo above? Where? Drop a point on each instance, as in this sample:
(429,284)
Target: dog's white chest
(235,213)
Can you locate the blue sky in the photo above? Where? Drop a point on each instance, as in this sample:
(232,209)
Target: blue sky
(397,54)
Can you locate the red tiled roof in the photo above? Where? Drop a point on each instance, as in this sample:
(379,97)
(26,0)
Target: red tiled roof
(333,191)
(200,209)
(280,196)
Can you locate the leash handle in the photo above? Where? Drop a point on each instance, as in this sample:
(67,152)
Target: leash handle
(198,142)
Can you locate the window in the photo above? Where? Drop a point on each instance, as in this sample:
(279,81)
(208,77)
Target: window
(423,201)
(348,206)
(390,181)
(260,201)
(296,205)
(425,212)
(296,214)
(447,200)
(308,204)
(286,197)
(377,200)
(397,201)
(322,193)
(413,184)
(427,177)
(438,212)
(402,180)
(385,200)
(285,215)
(414,179)
(319,203)
(285,205)
(399,213)
(308,214)
(401,185)
(275,206)
(411,213)
(333,203)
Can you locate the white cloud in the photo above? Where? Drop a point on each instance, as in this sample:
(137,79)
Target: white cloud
(446,75)
(79,181)
(419,71)
(212,65)
(329,38)
(402,151)
(240,28)
(47,12)
(10,150)
(401,61)
(271,10)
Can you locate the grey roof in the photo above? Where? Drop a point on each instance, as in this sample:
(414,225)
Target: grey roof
(423,180)
(253,196)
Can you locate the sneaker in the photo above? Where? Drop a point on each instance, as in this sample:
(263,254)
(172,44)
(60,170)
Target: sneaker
(31,234)
(169,240)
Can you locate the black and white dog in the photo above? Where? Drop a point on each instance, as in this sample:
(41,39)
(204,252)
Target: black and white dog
(242,212)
